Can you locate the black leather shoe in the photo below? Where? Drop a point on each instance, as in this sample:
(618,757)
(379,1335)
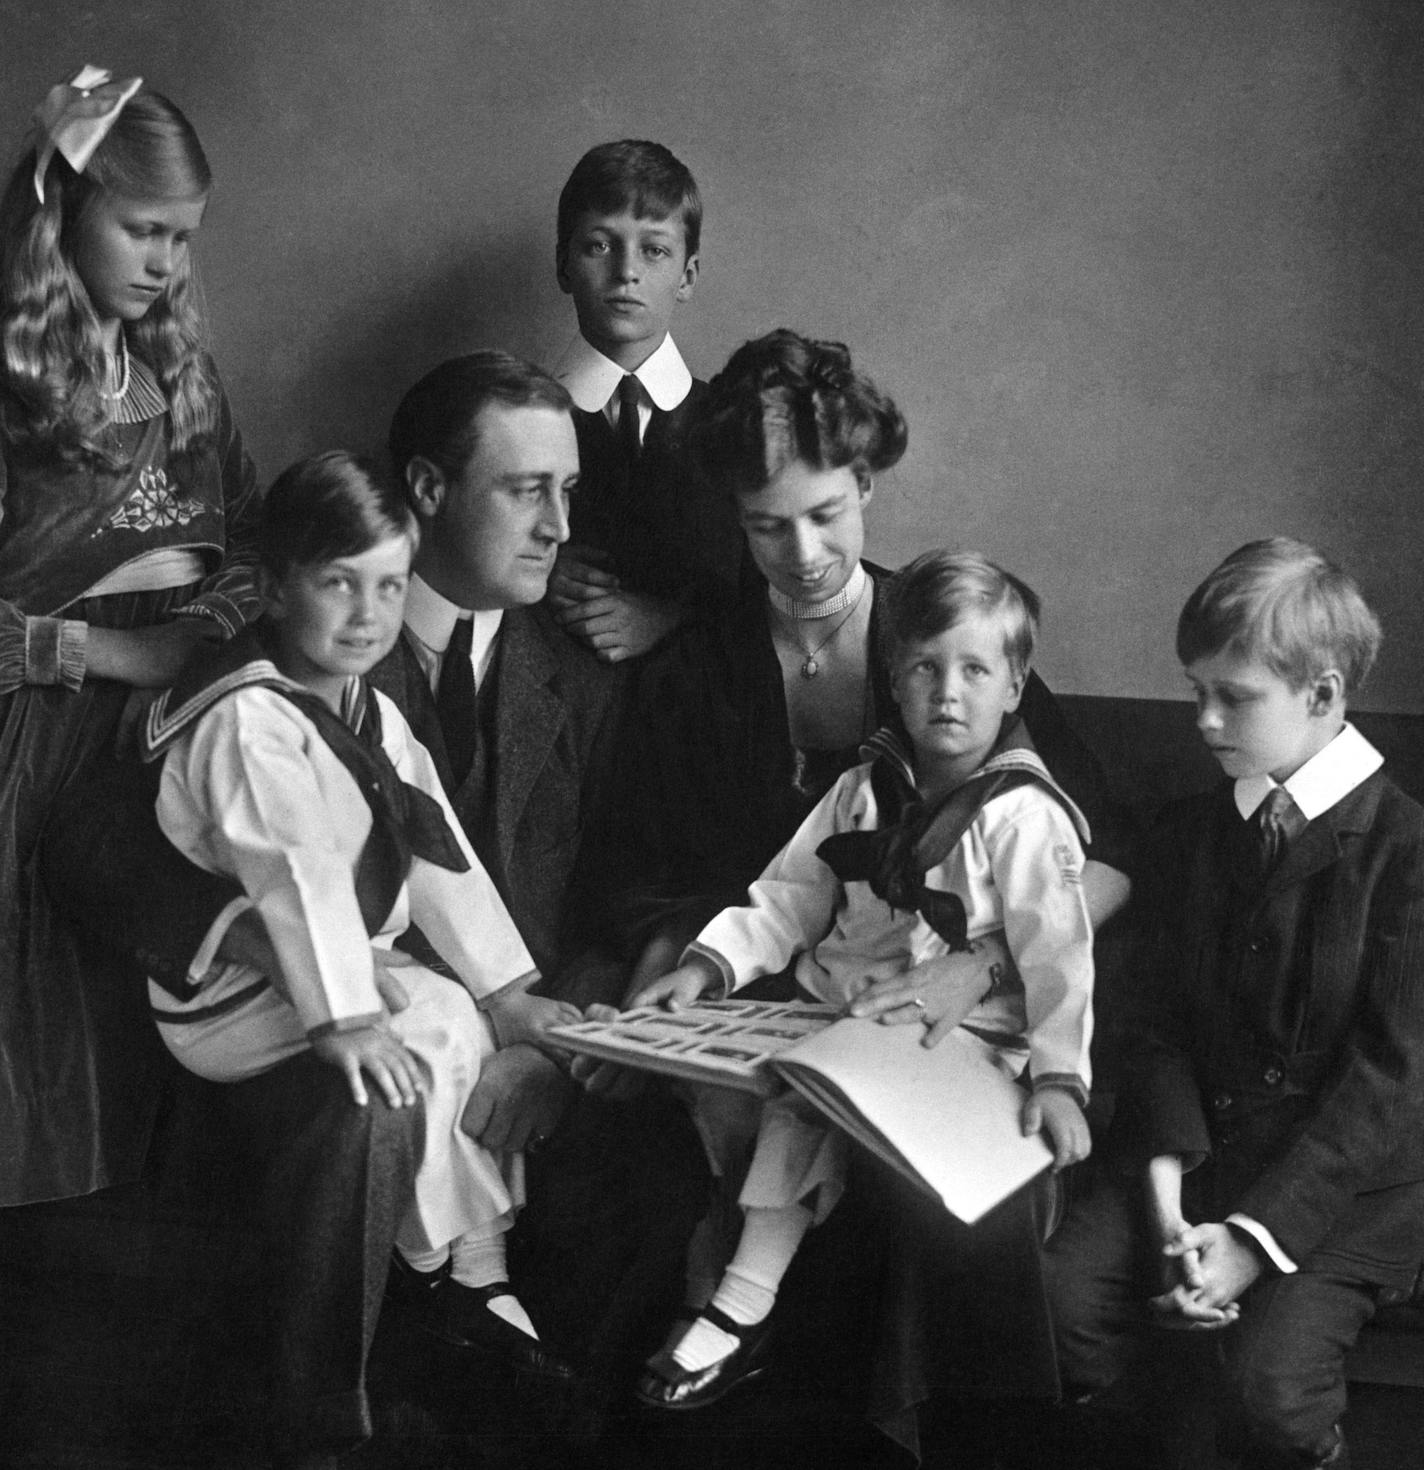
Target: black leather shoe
(668,1385)
(468,1322)
(460,1314)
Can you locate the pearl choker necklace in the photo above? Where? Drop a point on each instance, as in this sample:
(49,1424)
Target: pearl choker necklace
(848,596)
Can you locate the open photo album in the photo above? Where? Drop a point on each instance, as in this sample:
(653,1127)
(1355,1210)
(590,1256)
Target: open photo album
(946,1117)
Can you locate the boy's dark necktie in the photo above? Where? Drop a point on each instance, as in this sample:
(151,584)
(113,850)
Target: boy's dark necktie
(1278,819)
(457,701)
(630,442)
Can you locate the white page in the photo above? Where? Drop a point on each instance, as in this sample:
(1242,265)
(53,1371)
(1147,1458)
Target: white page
(950,1112)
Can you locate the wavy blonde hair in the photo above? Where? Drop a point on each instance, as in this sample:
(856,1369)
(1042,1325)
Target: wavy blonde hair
(53,364)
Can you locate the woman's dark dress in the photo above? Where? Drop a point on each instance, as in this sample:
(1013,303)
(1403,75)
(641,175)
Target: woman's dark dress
(80,1064)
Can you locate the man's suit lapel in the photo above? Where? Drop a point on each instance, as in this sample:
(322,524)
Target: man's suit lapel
(529,716)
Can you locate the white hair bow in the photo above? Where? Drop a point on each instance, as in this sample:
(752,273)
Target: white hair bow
(76,116)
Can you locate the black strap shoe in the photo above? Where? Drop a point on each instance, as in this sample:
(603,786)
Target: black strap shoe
(460,1315)
(668,1385)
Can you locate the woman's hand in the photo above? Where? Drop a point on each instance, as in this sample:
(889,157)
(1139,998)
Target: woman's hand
(937,992)
(378,1053)
(517,1016)
(149,658)
(682,987)
(1054,1111)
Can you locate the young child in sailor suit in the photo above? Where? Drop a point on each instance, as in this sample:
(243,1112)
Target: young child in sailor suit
(953,830)
(283,770)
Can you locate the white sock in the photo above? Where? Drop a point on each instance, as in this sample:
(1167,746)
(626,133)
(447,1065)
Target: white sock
(743,1300)
(426,1262)
(478,1260)
(748,1289)
(770,1240)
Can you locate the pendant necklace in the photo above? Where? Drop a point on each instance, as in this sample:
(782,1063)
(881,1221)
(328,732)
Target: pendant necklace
(846,601)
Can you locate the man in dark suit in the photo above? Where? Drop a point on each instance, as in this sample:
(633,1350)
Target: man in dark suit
(519,718)
(522,723)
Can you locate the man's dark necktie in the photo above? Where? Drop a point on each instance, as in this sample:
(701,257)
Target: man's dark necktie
(629,441)
(457,701)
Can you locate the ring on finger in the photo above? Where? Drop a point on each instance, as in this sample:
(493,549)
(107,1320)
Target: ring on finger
(919,1004)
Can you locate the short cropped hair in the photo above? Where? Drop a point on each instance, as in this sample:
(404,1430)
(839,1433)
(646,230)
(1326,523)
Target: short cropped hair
(1282,602)
(437,418)
(785,397)
(646,179)
(328,506)
(937,590)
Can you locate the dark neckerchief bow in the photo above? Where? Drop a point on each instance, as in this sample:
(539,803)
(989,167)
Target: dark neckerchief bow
(406,822)
(914,836)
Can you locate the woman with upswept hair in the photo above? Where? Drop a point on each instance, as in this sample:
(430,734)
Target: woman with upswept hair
(126,523)
(737,730)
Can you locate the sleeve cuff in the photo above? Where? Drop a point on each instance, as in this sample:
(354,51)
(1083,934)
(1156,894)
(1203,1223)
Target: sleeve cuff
(524,982)
(728,980)
(218,609)
(1263,1237)
(342,1025)
(1064,1082)
(55,651)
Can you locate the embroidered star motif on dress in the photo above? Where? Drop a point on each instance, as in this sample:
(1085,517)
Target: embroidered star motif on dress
(153,503)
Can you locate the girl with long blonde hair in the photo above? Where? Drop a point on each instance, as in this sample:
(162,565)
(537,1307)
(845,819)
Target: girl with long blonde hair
(127,512)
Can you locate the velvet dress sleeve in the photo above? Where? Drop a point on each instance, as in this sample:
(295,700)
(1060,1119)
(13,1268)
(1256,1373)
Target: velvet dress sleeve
(36,650)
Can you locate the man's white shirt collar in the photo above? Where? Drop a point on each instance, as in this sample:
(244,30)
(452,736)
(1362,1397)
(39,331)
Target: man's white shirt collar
(431,617)
(592,379)
(1326,778)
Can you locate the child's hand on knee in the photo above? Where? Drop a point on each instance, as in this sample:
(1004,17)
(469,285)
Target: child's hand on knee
(1054,1111)
(381,1055)
(682,987)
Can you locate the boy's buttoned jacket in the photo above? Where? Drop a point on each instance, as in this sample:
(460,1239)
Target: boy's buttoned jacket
(1284,1027)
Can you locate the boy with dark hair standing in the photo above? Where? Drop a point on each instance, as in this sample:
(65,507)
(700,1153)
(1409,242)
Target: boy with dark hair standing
(648,544)
(1275,1105)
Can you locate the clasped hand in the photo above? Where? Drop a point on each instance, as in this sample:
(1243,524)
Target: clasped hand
(592,606)
(1209,1266)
